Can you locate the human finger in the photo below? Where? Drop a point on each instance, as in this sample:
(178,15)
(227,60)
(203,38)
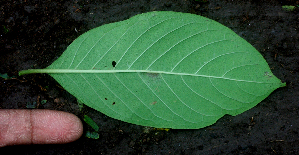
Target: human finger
(38,127)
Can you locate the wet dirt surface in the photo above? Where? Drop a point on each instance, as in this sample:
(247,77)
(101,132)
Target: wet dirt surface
(35,33)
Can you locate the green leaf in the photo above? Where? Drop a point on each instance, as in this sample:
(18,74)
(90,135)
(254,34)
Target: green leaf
(288,7)
(6,77)
(165,70)
(91,123)
(43,102)
(92,135)
(80,104)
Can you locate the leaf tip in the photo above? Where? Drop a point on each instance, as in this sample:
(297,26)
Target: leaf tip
(283,84)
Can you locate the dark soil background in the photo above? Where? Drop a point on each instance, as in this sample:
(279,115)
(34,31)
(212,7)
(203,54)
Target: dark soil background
(35,33)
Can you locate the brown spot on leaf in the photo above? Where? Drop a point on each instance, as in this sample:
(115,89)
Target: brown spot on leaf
(153,75)
(153,103)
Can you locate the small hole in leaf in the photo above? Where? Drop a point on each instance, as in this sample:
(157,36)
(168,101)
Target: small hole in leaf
(113,63)
(113,103)
(106,99)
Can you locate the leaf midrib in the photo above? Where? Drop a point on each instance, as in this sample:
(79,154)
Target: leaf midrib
(76,71)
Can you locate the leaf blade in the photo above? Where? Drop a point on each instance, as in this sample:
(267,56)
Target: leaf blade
(173,70)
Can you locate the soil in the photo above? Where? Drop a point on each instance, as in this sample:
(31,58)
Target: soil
(35,33)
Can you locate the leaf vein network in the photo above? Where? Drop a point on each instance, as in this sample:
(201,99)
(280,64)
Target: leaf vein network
(163,101)
(147,30)
(139,98)
(179,97)
(119,98)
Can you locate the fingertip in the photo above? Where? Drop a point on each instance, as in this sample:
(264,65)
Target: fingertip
(55,127)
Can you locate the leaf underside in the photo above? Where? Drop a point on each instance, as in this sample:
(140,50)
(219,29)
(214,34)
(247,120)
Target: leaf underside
(165,70)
